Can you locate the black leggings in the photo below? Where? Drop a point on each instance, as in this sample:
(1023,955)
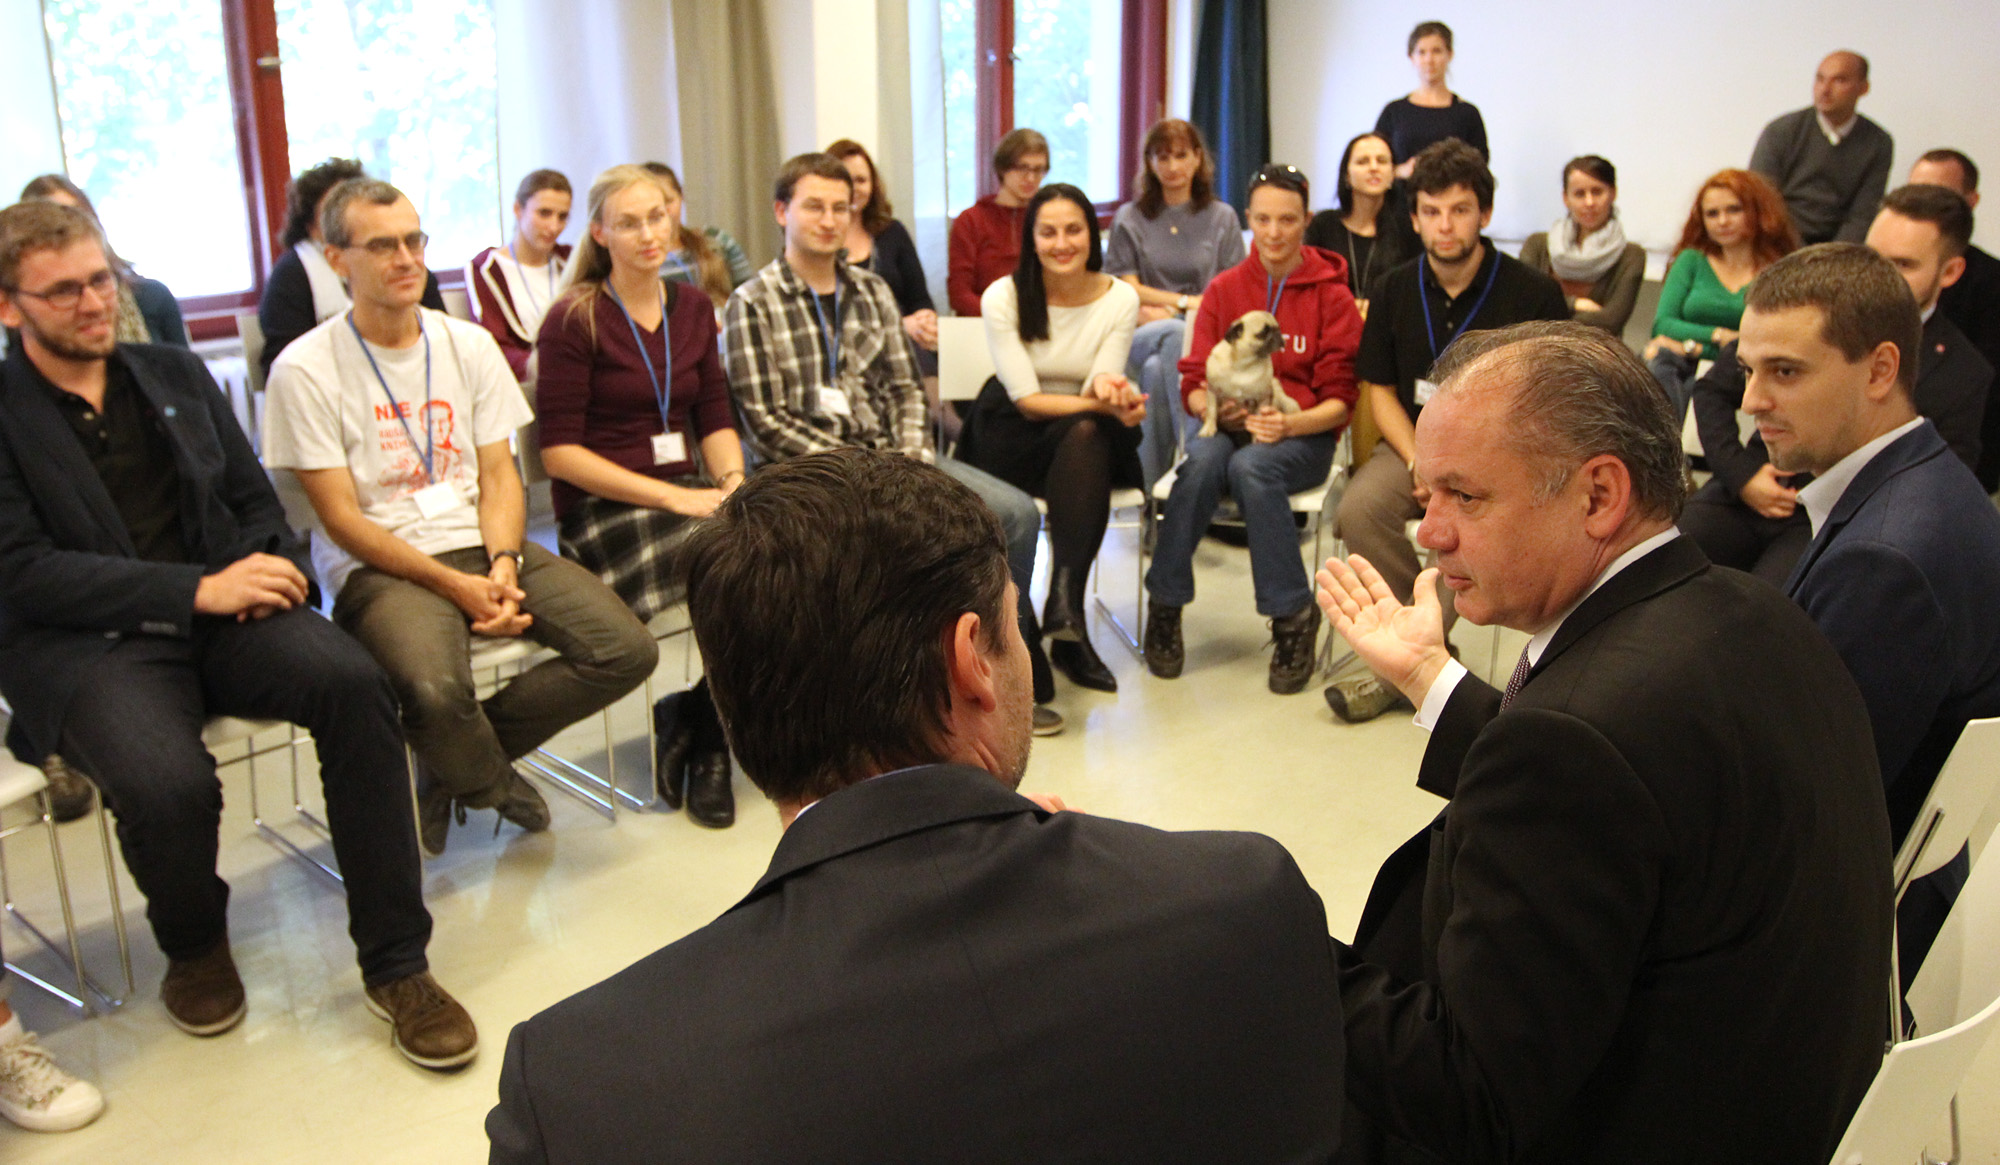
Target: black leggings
(1078,490)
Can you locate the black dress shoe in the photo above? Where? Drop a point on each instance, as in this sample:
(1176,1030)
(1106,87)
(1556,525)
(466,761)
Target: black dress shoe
(1062,615)
(710,801)
(673,738)
(1078,660)
(1164,652)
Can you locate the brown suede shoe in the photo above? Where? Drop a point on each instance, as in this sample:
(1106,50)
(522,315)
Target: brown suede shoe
(204,996)
(430,1028)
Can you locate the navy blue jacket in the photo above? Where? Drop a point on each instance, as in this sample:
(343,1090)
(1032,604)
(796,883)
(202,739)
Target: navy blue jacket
(1901,578)
(71,584)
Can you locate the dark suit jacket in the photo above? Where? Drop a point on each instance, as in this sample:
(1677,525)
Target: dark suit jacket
(1901,578)
(1973,303)
(934,969)
(1953,381)
(1655,916)
(71,583)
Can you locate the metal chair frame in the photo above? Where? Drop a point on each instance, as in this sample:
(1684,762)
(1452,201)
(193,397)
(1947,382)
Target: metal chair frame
(71,952)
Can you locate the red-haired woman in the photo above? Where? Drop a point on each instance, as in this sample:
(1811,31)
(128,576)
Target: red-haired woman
(1738,227)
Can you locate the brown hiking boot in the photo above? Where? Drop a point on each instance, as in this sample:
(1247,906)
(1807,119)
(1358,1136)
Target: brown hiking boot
(428,1025)
(204,995)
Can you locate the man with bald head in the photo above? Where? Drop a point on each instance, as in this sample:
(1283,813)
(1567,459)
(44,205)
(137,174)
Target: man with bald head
(1830,163)
(1652,924)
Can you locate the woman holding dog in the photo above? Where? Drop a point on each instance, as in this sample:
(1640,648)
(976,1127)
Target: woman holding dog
(1060,420)
(1261,456)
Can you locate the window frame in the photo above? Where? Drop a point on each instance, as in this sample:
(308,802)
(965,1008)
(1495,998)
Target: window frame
(1142,85)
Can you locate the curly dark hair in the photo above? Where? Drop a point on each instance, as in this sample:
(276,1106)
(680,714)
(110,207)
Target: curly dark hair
(302,199)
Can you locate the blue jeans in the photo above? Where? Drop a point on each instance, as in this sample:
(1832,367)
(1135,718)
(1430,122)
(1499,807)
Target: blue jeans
(1021,522)
(1261,478)
(1155,367)
(1675,372)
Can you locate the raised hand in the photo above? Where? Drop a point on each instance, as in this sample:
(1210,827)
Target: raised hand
(1402,643)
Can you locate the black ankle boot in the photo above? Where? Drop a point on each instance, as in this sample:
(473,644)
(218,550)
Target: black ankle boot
(673,740)
(1163,650)
(710,800)
(1062,615)
(1078,660)
(1292,658)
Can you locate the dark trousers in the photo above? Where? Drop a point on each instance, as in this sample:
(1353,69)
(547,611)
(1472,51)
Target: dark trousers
(135,725)
(1732,534)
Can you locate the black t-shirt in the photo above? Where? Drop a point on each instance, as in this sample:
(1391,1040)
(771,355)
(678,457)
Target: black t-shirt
(134,460)
(1398,347)
(1409,127)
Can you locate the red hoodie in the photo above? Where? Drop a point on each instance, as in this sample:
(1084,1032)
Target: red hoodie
(1316,311)
(985,244)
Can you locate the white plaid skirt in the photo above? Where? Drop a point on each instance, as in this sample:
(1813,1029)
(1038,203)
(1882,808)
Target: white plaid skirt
(634,549)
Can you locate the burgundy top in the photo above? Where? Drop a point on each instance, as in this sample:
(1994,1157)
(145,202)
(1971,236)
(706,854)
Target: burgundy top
(599,396)
(985,244)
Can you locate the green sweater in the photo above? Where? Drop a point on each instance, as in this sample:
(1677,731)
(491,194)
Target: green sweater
(1693,303)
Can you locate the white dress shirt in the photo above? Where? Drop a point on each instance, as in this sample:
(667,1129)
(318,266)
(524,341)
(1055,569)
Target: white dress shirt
(1822,493)
(1835,134)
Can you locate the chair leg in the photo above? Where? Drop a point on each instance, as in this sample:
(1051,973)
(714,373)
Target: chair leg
(111,888)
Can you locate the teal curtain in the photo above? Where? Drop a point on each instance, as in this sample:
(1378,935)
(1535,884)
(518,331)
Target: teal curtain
(1232,92)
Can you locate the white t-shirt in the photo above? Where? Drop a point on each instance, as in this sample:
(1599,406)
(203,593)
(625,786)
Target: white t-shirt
(325,409)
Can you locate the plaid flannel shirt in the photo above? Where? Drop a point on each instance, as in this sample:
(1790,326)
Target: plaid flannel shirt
(771,348)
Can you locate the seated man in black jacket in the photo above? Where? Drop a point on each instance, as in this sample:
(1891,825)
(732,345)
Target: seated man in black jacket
(934,967)
(147,582)
(1747,516)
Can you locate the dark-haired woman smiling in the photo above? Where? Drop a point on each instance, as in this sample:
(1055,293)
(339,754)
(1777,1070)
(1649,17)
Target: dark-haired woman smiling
(1060,420)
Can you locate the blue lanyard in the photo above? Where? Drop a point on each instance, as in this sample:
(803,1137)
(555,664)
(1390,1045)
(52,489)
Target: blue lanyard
(832,334)
(1271,299)
(528,286)
(395,407)
(1430,329)
(662,390)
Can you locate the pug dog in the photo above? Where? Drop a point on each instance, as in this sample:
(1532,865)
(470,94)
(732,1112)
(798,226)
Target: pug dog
(1239,368)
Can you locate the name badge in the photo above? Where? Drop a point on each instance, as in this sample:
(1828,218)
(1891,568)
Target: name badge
(1425,390)
(833,400)
(436,500)
(669,448)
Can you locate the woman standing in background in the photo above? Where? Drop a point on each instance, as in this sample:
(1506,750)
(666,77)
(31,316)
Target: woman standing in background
(1432,112)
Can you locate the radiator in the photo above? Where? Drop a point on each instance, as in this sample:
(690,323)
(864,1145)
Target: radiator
(232,375)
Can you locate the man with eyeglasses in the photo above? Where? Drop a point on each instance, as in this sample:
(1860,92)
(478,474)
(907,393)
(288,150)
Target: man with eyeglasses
(148,581)
(818,359)
(396,420)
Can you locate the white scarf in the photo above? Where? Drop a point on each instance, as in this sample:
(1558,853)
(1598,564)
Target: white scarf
(329,291)
(1589,259)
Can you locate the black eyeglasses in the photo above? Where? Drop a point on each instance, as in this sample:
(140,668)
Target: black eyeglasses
(1286,177)
(385,246)
(66,295)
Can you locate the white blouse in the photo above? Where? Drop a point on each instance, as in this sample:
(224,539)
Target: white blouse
(1083,341)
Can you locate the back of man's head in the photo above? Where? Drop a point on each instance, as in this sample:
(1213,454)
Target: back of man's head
(37,225)
(1862,300)
(1577,392)
(333,226)
(1443,165)
(824,593)
(1943,160)
(1939,206)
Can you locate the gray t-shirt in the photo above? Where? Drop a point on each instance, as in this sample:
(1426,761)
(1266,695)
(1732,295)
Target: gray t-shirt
(1180,249)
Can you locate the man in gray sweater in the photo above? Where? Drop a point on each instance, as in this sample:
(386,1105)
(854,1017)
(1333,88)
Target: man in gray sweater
(1830,163)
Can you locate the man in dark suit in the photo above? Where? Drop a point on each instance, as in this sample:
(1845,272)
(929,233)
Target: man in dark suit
(1653,923)
(147,582)
(934,967)
(1906,545)
(1973,303)
(1747,515)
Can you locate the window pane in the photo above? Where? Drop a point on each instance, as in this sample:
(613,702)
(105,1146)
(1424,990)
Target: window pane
(1068,55)
(150,135)
(957,24)
(407,86)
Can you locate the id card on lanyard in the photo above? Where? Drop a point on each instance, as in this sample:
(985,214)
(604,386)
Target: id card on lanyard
(832,398)
(669,447)
(437,497)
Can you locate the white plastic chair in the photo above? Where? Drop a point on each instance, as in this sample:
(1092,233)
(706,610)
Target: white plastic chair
(1956,1002)
(25,785)
(1964,788)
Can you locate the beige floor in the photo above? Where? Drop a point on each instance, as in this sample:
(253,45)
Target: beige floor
(523,921)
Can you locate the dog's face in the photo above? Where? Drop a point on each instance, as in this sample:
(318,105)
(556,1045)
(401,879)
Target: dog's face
(1254,336)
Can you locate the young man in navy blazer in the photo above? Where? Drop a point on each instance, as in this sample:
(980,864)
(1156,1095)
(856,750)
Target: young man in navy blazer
(1906,544)
(934,968)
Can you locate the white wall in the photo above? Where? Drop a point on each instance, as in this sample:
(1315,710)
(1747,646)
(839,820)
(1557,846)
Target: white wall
(1669,93)
(790,24)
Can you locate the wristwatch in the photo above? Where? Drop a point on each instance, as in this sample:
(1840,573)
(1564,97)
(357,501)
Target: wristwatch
(493,556)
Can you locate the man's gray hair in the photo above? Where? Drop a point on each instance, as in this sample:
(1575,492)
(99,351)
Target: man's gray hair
(1578,392)
(333,212)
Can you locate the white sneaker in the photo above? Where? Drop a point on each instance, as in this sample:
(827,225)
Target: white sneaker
(35,1093)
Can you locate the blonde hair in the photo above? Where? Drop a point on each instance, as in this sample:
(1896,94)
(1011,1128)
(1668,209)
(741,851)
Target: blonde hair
(590,265)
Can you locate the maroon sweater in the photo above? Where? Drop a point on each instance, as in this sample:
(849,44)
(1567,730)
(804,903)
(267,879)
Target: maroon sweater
(598,395)
(985,244)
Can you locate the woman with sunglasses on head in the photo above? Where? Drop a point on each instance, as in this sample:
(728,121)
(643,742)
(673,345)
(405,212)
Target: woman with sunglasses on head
(1168,243)
(986,236)
(1371,227)
(1060,419)
(709,258)
(639,436)
(1586,251)
(148,313)
(1261,457)
(1432,112)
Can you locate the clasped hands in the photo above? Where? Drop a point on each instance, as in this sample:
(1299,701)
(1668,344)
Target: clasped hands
(493,601)
(1121,398)
(1402,643)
